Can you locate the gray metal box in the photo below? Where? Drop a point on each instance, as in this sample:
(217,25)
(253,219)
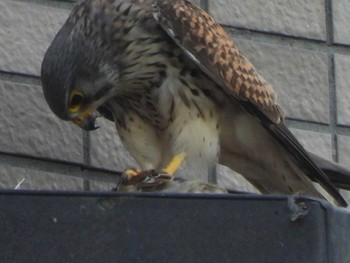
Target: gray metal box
(114,227)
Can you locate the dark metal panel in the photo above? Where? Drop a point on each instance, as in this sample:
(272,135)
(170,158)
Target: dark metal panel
(80,227)
(338,234)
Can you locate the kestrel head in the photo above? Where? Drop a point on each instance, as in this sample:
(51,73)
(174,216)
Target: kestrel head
(77,73)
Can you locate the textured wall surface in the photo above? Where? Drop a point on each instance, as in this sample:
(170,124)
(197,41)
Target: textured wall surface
(301,47)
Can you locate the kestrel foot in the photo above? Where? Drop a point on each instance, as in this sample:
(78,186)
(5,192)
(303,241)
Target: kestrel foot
(297,209)
(150,180)
(154,180)
(132,176)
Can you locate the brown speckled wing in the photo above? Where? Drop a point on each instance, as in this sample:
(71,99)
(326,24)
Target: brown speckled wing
(206,42)
(208,45)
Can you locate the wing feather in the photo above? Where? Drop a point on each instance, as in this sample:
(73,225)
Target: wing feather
(210,47)
(206,42)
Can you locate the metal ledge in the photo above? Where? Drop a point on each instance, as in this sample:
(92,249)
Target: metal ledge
(124,227)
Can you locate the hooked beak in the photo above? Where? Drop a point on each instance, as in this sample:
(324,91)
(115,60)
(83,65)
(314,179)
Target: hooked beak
(86,122)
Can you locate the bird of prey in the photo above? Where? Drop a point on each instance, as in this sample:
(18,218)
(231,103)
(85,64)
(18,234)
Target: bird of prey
(178,90)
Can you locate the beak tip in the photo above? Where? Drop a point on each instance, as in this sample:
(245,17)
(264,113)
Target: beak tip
(88,124)
(90,127)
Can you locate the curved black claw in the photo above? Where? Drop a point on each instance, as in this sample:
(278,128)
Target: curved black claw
(154,180)
(143,180)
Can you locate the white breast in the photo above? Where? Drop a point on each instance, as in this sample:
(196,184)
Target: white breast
(193,128)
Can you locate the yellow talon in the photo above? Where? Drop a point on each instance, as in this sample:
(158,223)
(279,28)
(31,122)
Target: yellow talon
(130,173)
(174,163)
(131,176)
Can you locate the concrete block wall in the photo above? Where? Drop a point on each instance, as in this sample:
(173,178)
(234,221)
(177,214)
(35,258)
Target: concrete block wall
(301,47)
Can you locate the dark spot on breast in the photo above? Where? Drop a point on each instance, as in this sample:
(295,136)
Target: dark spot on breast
(158,40)
(284,178)
(195,92)
(180,58)
(152,84)
(162,73)
(155,64)
(126,30)
(184,82)
(171,110)
(194,73)
(184,98)
(183,72)
(206,92)
(150,105)
(126,11)
(199,109)
(145,78)
(167,53)
(118,7)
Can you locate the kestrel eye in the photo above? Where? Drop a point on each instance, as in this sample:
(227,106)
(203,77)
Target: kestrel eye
(75,102)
